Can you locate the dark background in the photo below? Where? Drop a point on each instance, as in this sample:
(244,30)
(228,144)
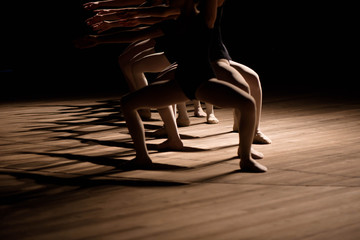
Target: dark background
(293,47)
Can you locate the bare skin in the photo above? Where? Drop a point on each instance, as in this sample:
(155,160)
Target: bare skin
(213,91)
(156,62)
(134,52)
(247,80)
(106,19)
(111,3)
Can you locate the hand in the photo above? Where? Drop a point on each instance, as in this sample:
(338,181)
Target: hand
(102,16)
(91,5)
(95,19)
(87,41)
(117,13)
(101,26)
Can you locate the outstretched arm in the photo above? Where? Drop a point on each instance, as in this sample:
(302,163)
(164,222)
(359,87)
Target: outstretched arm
(120,37)
(131,13)
(112,3)
(154,11)
(106,25)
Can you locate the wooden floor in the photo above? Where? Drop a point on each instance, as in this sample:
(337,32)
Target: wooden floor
(60,176)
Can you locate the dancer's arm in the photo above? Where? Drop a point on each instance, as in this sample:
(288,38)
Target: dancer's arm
(130,36)
(162,12)
(154,11)
(210,12)
(106,25)
(131,13)
(111,3)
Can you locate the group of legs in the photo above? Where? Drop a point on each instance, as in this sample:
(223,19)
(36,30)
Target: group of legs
(222,83)
(140,58)
(234,76)
(214,91)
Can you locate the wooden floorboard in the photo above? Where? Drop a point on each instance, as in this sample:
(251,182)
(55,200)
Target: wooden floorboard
(60,174)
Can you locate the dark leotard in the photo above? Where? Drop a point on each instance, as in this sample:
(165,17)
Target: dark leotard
(168,42)
(186,41)
(194,66)
(217,48)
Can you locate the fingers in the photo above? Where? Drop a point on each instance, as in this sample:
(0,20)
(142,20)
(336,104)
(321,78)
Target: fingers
(93,20)
(106,19)
(91,5)
(101,26)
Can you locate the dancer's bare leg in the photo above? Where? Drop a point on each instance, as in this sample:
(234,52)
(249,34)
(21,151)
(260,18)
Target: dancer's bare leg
(146,61)
(210,115)
(162,132)
(157,62)
(198,111)
(223,94)
(173,142)
(152,63)
(131,53)
(253,80)
(154,96)
(183,119)
(226,72)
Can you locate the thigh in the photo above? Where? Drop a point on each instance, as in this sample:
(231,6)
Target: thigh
(157,95)
(249,74)
(167,73)
(155,62)
(136,48)
(225,72)
(141,54)
(223,94)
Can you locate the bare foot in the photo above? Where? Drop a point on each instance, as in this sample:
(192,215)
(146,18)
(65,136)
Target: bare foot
(175,145)
(211,119)
(251,165)
(137,163)
(254,154)
(199,112)
(183,122)
(261,138)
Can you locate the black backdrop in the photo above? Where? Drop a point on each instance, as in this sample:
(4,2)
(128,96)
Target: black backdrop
(293,47)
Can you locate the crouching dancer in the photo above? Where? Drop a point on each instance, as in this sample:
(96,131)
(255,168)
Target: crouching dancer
(193,78)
